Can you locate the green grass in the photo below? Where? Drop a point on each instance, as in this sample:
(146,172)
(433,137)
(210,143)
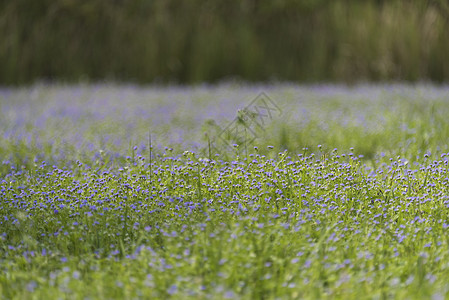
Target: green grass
(192,42)
(302,227)
(327,222)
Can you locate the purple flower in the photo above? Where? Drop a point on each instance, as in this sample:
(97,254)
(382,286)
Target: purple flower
(31,286)
(172,289)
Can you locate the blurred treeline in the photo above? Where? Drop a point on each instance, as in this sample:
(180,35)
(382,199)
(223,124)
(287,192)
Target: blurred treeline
(207,40)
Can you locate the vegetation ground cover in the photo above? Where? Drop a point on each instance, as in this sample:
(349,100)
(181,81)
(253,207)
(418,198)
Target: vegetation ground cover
(197,41)
(344,197)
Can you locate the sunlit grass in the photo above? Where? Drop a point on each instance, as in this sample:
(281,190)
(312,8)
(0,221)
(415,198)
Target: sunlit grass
(311,222)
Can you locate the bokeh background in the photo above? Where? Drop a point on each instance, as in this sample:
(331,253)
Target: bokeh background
(171,41)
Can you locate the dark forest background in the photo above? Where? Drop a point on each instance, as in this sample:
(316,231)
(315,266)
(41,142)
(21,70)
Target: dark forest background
(194,41)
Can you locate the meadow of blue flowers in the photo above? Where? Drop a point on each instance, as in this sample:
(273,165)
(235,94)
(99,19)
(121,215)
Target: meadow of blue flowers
(105,193)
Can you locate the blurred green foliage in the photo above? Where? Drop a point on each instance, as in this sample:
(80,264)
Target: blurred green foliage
(195,40)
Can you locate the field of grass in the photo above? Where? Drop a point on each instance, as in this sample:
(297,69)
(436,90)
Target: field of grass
(170,41)
(111,192)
